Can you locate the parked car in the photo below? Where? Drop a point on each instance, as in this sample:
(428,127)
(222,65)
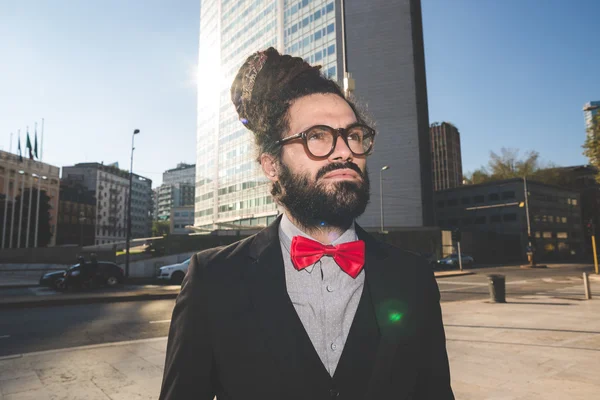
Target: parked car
(174,273)
(107,274)
(452,260)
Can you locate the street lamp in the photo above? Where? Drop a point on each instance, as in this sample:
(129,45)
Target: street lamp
(384,168)
(530,248)
(128,233)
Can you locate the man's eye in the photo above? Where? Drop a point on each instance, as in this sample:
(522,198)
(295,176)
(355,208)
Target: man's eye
(358,137)
(317,136)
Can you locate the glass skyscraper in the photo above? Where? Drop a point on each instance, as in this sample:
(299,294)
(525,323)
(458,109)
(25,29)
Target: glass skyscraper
(230,187)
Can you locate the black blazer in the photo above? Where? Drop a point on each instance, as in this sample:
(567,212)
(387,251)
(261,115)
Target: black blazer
(235,333)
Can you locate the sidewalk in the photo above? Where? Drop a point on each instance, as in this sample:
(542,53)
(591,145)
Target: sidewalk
(532,348)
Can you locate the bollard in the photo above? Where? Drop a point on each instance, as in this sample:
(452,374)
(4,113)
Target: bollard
(586,286)
(497,286)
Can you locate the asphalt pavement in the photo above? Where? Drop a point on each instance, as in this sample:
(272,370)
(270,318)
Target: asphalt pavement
(46,328)
(77,321)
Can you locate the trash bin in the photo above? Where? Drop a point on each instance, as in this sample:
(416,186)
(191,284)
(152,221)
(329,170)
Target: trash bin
(497,286)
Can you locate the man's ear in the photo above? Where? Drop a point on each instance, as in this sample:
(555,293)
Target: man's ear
(269,166)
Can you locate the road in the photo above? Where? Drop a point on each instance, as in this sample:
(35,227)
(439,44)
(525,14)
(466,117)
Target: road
(46,328)
(558,281)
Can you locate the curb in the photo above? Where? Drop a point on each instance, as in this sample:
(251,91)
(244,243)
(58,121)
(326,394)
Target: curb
(19,286)
(61,301)
(450,274)
(527,266)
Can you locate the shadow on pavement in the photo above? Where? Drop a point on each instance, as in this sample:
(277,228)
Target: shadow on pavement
(523,328)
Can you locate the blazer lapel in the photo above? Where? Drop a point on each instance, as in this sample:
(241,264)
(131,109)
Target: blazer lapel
(283,332)
(392,290)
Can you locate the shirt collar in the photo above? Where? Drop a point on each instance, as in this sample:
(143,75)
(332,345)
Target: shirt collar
(287,230)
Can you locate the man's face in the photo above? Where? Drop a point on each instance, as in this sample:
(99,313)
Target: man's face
(320,192)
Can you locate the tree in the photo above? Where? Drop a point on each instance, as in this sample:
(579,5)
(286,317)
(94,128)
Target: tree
(591,146)
(44,232)
(160,228)
(508,165)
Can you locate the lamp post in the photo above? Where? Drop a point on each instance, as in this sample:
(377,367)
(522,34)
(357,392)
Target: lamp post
(128,233)
(526,195)
(384,168)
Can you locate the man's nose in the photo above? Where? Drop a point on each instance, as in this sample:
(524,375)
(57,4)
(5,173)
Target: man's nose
(341,151)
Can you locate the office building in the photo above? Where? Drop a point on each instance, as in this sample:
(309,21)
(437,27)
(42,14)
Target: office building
(177,190)
(183,173)
(446,156)
(590,111)
(110,186)
(500,207)
(385,57)
(155,204)
(18,176)
(180,218)
(76,215)
(174,195)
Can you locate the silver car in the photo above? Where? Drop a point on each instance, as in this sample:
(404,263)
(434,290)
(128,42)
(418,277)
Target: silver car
(174,273)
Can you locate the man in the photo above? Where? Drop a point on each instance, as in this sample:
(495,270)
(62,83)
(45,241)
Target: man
(312,307)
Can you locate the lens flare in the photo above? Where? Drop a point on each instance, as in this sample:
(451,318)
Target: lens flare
(395,317)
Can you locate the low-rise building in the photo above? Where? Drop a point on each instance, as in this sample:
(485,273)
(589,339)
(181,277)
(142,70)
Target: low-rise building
(19,176)
(552,213)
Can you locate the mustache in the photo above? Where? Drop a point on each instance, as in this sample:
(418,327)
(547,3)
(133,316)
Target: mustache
(332,167)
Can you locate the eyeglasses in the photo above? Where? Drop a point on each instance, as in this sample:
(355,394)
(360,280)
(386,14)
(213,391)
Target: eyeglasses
(320,140)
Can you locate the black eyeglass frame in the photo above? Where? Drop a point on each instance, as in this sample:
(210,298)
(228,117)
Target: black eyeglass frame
(343,132)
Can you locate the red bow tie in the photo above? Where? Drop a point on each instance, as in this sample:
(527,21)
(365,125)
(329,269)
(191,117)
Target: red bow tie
(349,256)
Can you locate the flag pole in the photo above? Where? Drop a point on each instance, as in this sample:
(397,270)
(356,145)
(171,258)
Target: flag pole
(12,217)
(42,144)
(21,212)
(10,147)
(6,178)
(29,213)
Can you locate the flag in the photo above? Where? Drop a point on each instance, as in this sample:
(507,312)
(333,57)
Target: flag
(35,152)
(29,147)
(19,148)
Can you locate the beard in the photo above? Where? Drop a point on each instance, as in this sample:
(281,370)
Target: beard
(316,204)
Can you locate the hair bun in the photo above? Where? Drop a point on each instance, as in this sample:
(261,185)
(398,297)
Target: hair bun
(260,78)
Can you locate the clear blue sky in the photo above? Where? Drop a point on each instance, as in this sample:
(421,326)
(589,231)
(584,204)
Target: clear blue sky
(510,73)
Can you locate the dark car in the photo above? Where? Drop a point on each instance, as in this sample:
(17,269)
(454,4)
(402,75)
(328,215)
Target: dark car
(452,260)
(108,274)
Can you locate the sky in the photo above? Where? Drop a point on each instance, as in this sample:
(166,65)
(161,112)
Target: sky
(510,73)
